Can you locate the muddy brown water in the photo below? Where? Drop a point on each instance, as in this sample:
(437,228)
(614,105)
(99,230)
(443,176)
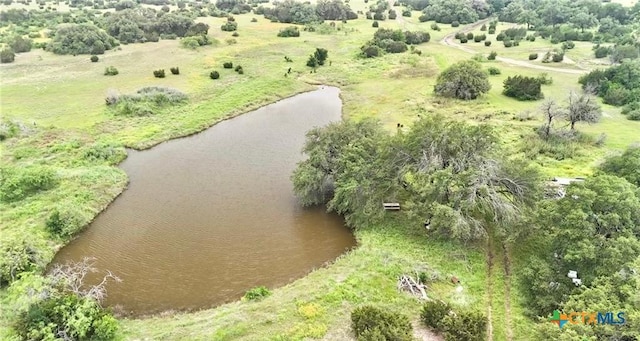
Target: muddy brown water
(209,216)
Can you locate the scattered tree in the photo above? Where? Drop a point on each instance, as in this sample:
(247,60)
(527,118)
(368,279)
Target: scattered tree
(464,80)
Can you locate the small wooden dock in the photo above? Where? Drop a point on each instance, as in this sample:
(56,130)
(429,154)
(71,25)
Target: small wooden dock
(391,206)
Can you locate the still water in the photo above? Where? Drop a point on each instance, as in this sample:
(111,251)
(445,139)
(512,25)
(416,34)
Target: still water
(209,216)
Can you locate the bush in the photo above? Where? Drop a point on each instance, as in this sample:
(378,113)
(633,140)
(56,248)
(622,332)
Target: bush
(238,68)
(492,31)
(544,79)
(533,56)
(522,88)
(492,55)
(110,71)
(254,20)
(494,70)
(370,323)
(159,73)
(375,24)
(235,34)
(557,57)
(469,36)
(175,70)
(433,314)
(634,115)
(257,293)
(501,36)
(227,65)
(229,26)
(19,44)
(406,13)
(371,51)
(602,51)
(7,56)
(455,24)
(66,314)
(104,153)
(392,14)
(568,45)
(214,75)
(483,27)
(64,222)
(467,326)
(19,183)
(291,31)
(378,16)
(477,38)
(17,255)
(463,40)
(507,43)
(94,58)
(435,27)
(487,43)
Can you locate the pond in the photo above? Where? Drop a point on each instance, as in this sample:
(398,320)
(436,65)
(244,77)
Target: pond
(209,216)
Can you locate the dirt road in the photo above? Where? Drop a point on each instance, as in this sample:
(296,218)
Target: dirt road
(450,40)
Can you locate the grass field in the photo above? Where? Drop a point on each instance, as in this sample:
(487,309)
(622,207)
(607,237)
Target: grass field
(62,98)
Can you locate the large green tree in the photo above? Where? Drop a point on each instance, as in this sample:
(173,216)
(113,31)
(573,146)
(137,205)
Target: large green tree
(464,80)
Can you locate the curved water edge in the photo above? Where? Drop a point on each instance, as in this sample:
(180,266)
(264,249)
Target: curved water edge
(209,216)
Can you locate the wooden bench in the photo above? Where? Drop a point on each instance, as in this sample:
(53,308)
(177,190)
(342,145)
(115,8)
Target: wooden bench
(391,206)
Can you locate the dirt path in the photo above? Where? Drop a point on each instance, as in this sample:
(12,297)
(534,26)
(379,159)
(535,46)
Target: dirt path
(507,291)
(449,40)
(489,288)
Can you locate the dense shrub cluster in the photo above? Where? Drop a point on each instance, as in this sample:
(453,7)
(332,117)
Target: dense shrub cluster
(454,11)
(159,73)
(371,323)
(80,39)
(456,326)
(17,255)
(110,71)
(523,88)
(296,12)
(64,222)
(392,41)
(19,183)
(229,26)
(141,24)
(617,85)
(7,56)
(257,293)
(291,31)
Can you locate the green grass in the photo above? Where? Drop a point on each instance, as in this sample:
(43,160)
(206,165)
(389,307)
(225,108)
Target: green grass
(64,96)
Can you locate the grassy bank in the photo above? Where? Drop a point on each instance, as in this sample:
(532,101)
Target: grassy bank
(64,97)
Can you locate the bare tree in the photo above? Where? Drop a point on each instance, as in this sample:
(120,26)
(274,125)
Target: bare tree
(582,108)
(71,277)
(550,110)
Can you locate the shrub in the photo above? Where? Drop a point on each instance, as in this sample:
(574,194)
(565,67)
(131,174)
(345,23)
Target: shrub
(370,323)
(371,51)
(214,74)
(375,24)
(406,13)
(557,57)
(159,73)
(455,24)
(492,31)
(469,36)
(291,31)
(477,38)
(568,45)
(94,58)
(19,183)
(522,88)
(463,40)
(235,34)
(378,16)
(227,65)
(634,115)
(321,55)
(392,14)
(487,43)
(544,79)
(103,152)
(17,255)
(435,27)
(64,222)
(257,293)
(19,44)
(110,71)
(66,314)
(238,68)
(507,43)
(533,56)
(175,70)
(433,314)
(468,326)
(417,37)
(7,56)
(602,51)
(254,20)
(483,27)
(501,36)
(229,26)
(459,35)
(492,55)
(494,70)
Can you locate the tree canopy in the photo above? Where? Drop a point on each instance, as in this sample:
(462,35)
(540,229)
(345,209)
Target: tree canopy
(464,80)
(80,39)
